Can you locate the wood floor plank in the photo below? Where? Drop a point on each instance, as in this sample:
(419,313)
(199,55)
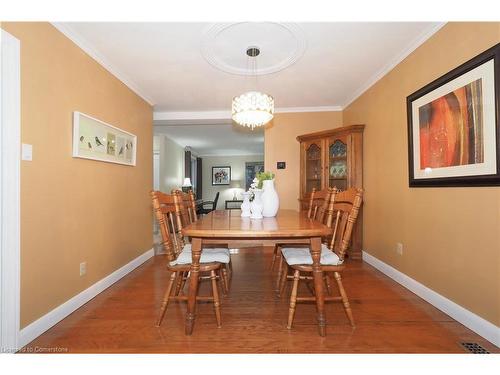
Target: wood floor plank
(389,318)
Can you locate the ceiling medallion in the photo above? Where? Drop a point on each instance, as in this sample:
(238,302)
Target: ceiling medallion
(283,44)
(252,108)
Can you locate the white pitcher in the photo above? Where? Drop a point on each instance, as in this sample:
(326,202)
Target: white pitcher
(270,199)
(256,205)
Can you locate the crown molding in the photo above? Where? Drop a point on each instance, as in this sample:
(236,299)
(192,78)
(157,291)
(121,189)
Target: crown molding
(230,154)
(210,117)
(193,115)
(332,108)
(417,42)
(87,48)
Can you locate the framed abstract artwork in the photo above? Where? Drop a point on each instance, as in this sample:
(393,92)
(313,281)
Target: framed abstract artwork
(453,126)
(221,175)
(94,139)
(251,169)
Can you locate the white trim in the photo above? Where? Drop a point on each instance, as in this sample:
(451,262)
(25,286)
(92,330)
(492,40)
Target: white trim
(230,154)
(10,207)
(472,321)
(194,115)
(226,115)
(39,326)
(417,42)
(325,108)
(92,52)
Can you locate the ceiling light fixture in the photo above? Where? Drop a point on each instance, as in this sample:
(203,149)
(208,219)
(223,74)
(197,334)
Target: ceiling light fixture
(253,108)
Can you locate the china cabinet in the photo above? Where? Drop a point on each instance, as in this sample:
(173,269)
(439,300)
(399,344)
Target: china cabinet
(333,158)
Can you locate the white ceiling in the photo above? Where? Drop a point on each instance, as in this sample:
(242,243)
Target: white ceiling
(165,63)
(191,71)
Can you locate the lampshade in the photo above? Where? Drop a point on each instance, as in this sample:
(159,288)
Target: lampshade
(253,109)
(187,182)
(236,184)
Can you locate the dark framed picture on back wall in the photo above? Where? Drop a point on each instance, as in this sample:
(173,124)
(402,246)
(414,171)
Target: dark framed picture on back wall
(221,175)
(453,126)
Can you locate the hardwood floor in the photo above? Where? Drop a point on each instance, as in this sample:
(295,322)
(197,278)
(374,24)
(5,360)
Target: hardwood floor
(389,318)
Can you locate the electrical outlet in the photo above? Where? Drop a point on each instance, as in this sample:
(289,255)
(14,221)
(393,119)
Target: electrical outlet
(399,248)
(83,268)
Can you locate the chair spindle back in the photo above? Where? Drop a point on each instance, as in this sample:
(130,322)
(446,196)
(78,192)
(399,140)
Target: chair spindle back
(185,209)
(345,207)
(164,206)
(321,205)
(192,206)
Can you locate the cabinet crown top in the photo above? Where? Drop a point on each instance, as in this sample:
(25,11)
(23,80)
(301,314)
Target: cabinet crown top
(332,132)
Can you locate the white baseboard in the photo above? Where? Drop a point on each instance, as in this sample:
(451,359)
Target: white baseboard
(35,329)
(472,321)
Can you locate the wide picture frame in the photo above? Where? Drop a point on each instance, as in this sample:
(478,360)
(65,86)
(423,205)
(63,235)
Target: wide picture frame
(96,140)
(251,170)
(221,175)
(453,126)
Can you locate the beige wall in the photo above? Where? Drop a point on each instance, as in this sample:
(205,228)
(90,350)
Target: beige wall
(171,164)
(75,210)
(237,164)
(451,236)
(281,145)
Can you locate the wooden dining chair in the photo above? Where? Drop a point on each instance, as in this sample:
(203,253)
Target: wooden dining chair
(186,210)
(318,208)
(166,208)
(188,206)
(345,208)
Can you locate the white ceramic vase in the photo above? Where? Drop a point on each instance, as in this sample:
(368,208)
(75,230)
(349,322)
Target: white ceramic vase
(256,205)
(270,199)
(245,206)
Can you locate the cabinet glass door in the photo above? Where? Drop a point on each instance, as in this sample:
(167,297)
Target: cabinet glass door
(337,164)
(313,167)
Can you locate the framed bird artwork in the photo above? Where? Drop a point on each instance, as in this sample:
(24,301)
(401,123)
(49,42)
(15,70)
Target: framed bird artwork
(96,140)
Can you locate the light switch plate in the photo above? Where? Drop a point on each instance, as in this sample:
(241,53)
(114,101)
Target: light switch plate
(27,152)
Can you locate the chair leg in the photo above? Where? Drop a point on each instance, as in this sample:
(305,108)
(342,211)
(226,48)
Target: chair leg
(276,254)
(185,276)
(166,298)
(179,284)
(229,268)
(345,301)
(293,298)
(224,279)
(328,283)
(215,291)
(280,271)
(284,277)
(228,274)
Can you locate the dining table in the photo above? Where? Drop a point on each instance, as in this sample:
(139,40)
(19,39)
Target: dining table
(227,227)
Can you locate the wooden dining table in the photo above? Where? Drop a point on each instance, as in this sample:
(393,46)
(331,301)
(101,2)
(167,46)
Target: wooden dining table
(228,227)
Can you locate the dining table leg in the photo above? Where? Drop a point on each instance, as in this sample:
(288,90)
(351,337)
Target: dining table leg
(318,284)
(193,284)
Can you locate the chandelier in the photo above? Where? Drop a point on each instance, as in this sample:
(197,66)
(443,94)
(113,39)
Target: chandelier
(253,108)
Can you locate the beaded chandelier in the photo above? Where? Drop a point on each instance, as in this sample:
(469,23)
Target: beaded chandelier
(253,108)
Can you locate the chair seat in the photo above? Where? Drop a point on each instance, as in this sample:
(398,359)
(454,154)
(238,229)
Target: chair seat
(187,247)
(208,255)
(294,256)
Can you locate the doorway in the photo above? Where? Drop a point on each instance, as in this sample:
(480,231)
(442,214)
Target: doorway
(10,142)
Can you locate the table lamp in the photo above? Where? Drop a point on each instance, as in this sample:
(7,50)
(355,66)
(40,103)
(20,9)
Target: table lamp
(186,186)
(235,184)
